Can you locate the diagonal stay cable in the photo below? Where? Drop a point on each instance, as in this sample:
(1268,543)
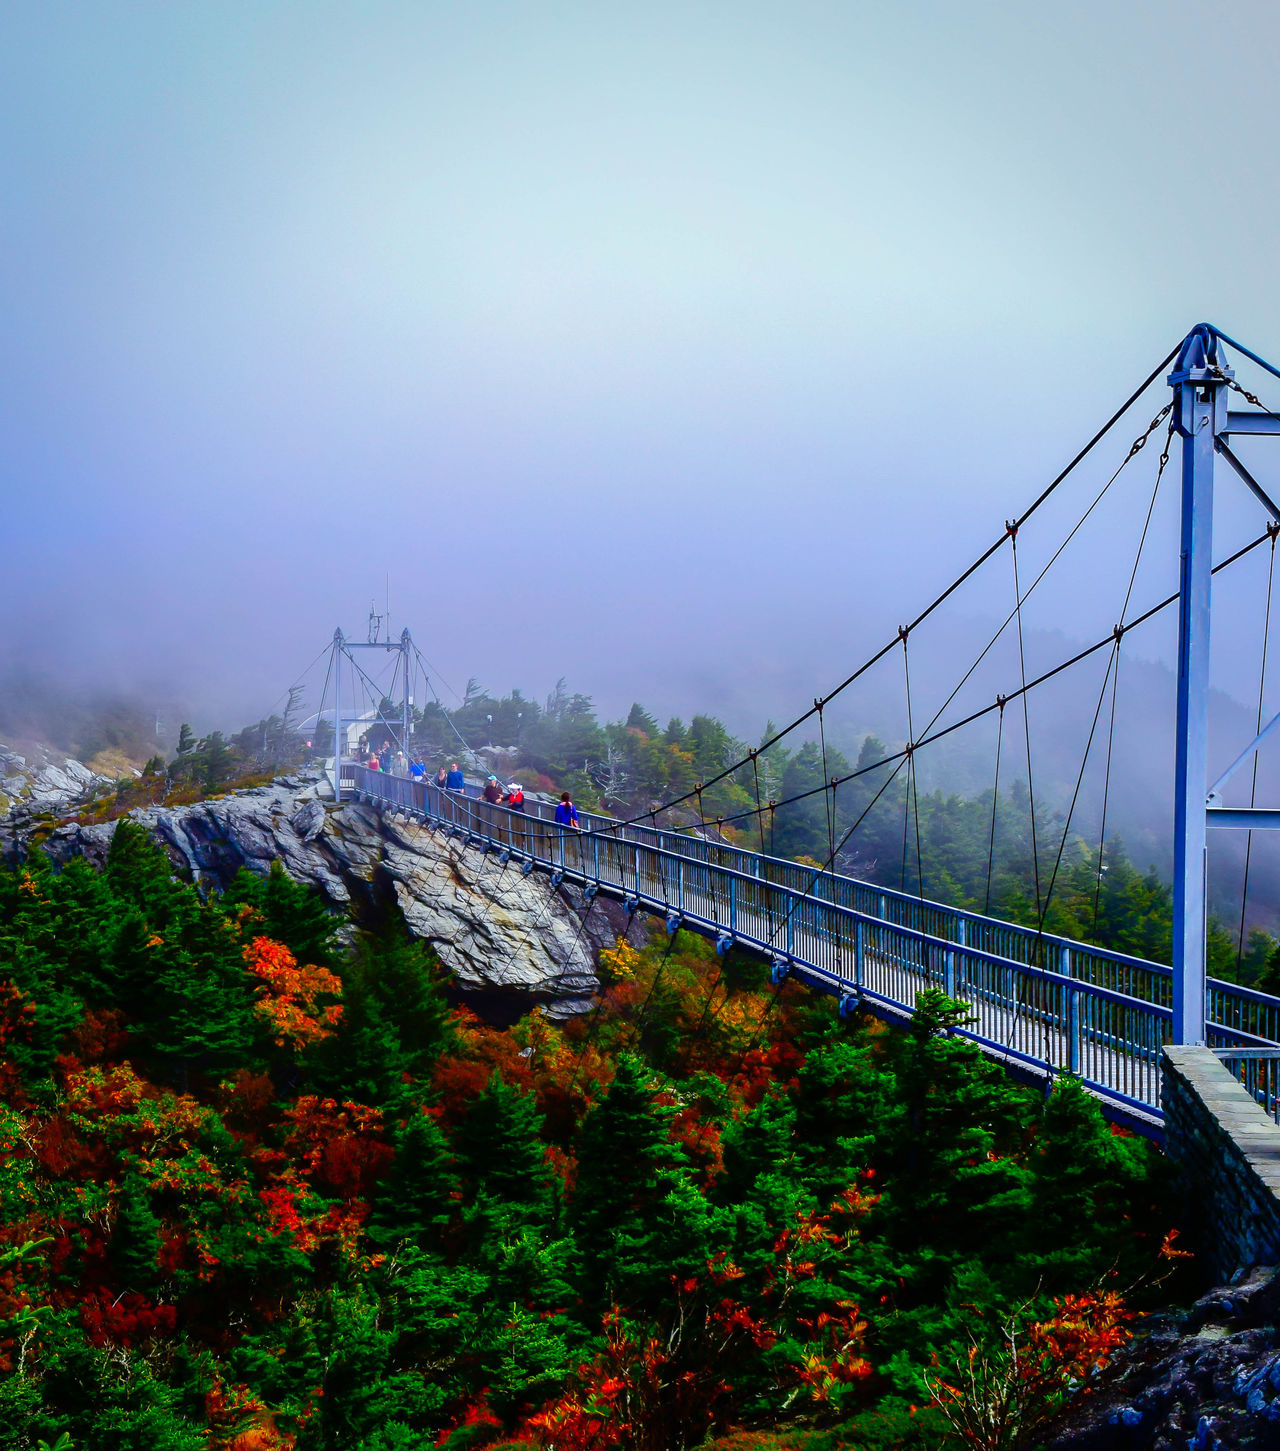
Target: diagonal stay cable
(986,710)
(946,593)
(1113,665)
(1138,444)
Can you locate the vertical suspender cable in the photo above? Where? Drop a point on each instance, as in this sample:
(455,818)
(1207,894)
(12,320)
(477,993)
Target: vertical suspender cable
(1253,789)
(1026,718)
(995,798)
(913,785)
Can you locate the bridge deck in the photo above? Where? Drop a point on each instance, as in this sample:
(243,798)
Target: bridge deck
(1043,1004)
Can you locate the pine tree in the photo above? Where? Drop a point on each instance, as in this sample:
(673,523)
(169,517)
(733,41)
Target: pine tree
(394,1022)
(286,911)
(138,872)
(219,761)
(418,1198)
(135,1238)
(500,1153)
(637,1216)
(848,1113)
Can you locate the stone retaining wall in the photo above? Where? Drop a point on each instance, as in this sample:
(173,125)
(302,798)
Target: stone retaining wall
(1227,1149)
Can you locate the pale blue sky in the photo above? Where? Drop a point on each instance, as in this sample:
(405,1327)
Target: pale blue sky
(670,347)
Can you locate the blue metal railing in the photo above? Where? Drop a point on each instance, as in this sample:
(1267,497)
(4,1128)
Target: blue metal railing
(1258,1070)
(1045,1002)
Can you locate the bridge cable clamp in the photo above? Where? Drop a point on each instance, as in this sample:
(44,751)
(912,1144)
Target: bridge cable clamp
(850,1003)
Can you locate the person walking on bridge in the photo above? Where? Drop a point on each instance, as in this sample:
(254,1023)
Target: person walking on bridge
(492,791)
(455,780)
(515,796)
(442,778)
(567,812)
(386,757)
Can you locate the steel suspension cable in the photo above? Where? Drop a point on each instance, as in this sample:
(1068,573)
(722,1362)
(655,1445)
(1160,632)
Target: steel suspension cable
(1112,672)
(995,797)
(1253,788)
(1138,444)
(1134,449)
(951,588)
(828,797)
(913,784)
(928,740)
(1026,718)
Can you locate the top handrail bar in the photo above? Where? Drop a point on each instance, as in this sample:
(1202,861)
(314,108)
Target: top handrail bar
(609,828)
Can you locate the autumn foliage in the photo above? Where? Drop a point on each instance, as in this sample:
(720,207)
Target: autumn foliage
(260,1193)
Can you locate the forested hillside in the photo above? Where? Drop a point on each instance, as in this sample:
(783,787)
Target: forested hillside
(261,1190)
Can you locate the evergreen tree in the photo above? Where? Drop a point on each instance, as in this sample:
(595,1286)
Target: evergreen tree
(286,911)
(637,1218)
(848,1114)
(219,761)
(501,1155)
(418,1198)
(135,1238)
(394,1022)
(639,719)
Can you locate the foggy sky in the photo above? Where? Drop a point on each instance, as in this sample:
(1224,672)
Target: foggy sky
(682,350)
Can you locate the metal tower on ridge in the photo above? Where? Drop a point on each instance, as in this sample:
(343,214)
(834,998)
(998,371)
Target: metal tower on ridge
(343,646)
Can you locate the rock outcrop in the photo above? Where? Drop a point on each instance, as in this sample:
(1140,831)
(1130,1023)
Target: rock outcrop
(1208,1378)
(38,780)
(494,929)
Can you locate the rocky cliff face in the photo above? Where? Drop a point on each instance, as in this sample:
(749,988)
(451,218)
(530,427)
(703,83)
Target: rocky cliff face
(495,929)
(36,780)
(1203,1380)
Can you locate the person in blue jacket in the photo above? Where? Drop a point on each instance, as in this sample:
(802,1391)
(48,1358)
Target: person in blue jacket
(567,812)
(455,780)
(417,770)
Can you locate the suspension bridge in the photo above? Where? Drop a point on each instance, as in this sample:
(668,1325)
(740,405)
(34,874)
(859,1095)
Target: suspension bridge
(1042,1003)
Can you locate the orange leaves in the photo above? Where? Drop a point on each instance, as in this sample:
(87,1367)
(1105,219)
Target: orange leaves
(17,1013)
(239,1421)
(339,1144)
(1013,1376)
(289,995)
(1079,1339)
(836,1358)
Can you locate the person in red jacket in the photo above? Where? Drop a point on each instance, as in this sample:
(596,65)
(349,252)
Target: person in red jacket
(515,796)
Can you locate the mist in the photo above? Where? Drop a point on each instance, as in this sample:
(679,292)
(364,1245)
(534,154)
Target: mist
(683,352)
